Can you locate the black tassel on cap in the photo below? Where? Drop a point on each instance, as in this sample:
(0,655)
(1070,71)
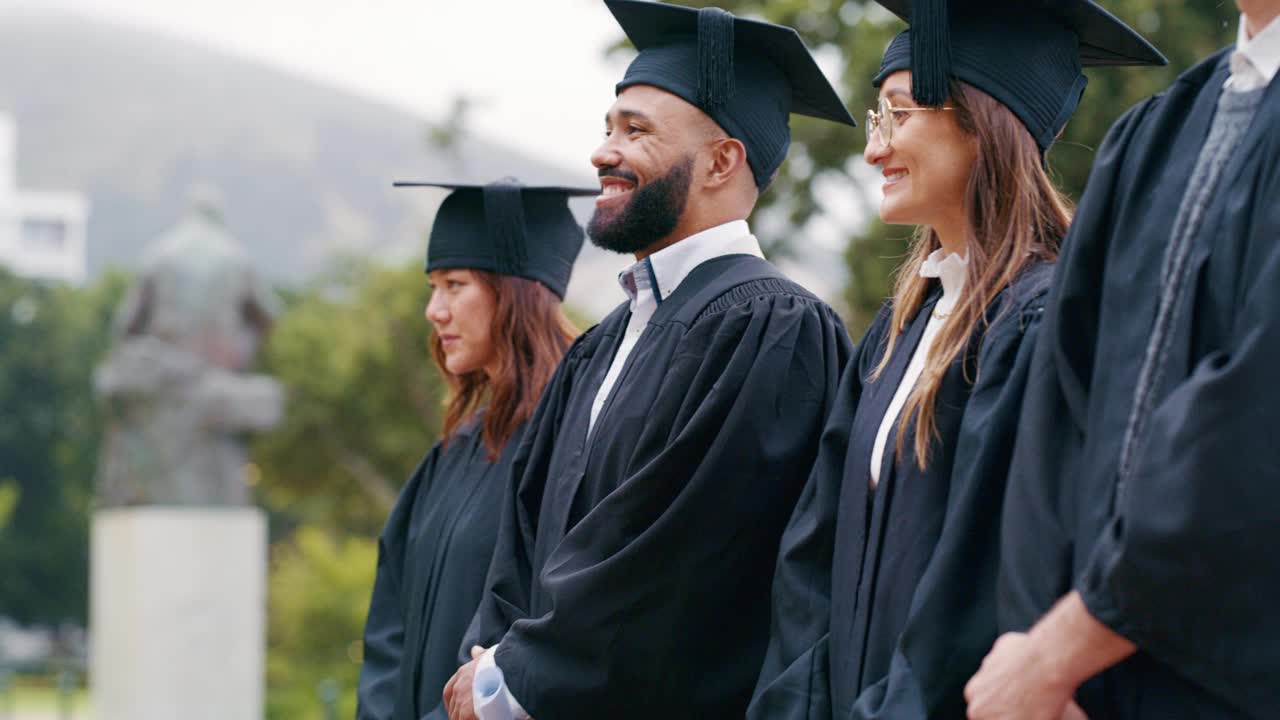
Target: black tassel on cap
(504,218)
(715,58)
(930,52)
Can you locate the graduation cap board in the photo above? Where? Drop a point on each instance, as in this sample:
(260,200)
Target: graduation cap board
(747,75)
(1028,54)
(507,228)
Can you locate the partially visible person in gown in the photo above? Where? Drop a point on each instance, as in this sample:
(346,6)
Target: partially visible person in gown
(498,265)
(884,595)
(1140,573)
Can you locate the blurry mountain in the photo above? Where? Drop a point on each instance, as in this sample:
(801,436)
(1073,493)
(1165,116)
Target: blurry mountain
(136,119)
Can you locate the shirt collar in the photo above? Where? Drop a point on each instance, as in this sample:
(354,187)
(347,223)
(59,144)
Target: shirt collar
(662,272)
(637,281)
(951,269)
(1261,52)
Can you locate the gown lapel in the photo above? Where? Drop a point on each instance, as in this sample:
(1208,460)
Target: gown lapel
(864,509)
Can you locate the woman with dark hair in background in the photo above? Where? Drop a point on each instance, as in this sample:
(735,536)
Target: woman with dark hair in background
(498,264)
(884,596)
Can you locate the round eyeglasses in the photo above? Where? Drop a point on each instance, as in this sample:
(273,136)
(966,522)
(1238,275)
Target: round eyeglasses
(880,124)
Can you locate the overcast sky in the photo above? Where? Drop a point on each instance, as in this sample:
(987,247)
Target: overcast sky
(537,69)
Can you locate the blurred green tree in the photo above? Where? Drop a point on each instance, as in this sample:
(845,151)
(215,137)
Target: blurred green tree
(364,400)
(9,494)
(319,590)
(51,337)
(849,38)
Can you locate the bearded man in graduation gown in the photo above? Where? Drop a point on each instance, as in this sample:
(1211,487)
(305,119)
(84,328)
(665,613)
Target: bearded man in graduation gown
(632,572)
(1143,511)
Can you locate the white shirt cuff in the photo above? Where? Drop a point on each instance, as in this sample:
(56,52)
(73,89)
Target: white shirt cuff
(489,693)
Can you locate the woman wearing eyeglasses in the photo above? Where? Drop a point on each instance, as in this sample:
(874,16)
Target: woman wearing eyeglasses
(884,592)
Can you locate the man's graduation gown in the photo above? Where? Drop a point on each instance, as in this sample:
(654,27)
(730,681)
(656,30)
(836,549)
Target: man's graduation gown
(631,577)
(433,556)
(884,598)
(1183,562)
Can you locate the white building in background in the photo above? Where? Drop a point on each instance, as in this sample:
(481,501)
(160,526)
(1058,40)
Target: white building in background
(42,234)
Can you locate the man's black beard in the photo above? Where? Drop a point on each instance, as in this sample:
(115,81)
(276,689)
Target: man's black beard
(651,214)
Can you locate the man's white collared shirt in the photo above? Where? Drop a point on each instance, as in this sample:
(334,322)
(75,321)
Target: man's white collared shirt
(1256,59)
(647,283)
(652,280)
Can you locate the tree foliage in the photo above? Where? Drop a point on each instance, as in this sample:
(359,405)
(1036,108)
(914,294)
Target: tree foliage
(51,336)
(364,400)
(9,494)
(319,594)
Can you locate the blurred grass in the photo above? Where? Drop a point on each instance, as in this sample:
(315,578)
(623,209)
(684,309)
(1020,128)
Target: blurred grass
(39,693)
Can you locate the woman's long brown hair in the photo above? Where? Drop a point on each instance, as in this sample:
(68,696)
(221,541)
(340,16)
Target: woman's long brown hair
(530,335)
(1016,217)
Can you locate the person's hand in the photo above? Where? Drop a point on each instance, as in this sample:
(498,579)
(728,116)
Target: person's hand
(1017,682)
(1032,676)
(457,692)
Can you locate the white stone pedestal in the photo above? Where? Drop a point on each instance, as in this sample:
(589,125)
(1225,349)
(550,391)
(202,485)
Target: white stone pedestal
(177,618)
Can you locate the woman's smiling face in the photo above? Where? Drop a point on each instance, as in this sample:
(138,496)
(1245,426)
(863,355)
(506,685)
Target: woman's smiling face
(927,163)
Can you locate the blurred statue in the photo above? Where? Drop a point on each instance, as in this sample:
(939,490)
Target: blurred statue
(178,399)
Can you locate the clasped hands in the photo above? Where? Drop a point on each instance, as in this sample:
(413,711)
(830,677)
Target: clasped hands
(458,699)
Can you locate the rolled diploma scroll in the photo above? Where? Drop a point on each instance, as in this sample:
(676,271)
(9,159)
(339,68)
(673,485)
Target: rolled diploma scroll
(488,696)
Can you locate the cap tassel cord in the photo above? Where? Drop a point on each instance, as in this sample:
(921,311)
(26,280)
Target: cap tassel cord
(715,58)
(504,217)
(930,52)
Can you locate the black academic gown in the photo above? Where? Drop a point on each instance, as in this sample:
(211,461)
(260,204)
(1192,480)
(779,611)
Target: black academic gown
(433,556)
(884,598)
(1185,563)
(631,578)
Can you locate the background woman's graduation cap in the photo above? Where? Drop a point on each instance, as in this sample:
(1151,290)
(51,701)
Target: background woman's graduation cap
(507,228)
(1028,54)
(748,76)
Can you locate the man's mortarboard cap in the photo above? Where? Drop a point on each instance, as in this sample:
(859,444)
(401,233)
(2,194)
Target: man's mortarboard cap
(1027,54)
(747,75)
(507,228)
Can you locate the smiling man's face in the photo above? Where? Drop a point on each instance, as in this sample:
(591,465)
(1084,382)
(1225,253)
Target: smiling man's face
(645,164)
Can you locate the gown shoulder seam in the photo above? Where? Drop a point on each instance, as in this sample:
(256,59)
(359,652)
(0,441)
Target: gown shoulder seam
(747,291)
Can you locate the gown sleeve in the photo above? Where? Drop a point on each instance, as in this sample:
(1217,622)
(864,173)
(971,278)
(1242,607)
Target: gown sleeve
(794,681)
(384,628)
(1037,536)
(506,598)
(952,621)
(663,584)
(1186,567)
